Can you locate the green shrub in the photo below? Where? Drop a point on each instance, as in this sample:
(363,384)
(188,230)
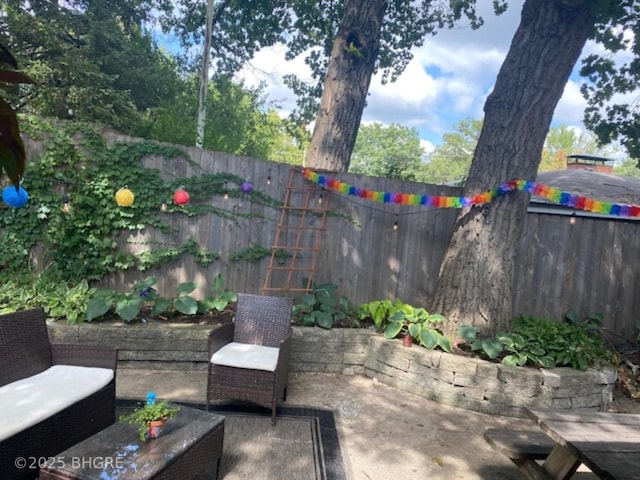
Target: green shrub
(541,342)
(322,307)
(59,298)
(397,317)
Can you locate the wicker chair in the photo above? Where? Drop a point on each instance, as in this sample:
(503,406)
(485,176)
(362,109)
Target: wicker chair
(25,351)
(249,358)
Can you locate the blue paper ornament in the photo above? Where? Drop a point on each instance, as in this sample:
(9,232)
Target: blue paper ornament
(15,198)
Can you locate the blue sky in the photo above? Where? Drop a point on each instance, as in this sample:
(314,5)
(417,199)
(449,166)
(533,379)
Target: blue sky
(447,81)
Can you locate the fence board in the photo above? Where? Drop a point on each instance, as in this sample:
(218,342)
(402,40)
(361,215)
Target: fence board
(589,266)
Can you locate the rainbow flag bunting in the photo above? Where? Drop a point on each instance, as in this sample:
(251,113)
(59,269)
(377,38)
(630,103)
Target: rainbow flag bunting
(552,194)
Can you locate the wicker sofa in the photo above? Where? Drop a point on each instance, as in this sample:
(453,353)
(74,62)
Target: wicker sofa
(52,396)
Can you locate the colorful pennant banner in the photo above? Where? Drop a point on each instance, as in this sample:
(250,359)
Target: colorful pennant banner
(552,194)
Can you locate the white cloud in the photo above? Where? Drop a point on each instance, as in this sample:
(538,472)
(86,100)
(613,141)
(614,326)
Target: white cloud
(447,81)
(571,106)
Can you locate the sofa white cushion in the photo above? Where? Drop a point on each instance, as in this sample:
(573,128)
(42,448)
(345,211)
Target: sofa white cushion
(245,355)
(25,402)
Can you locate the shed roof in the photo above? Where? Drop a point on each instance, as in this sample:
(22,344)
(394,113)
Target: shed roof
(589,183)
(597,185)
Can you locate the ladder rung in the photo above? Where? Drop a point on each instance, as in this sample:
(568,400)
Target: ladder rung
(295,269)
(294,227)
(276,289)
(298,200)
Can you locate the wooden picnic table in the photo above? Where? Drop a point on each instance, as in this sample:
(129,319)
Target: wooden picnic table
(607,443)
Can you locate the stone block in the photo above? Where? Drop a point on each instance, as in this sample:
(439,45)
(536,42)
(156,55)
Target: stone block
(550,378)
(353,358)
(587,401)
(519,375)
(561,403)
(458,364)
(444,376)
(487,370)
(583,390)
(606,375)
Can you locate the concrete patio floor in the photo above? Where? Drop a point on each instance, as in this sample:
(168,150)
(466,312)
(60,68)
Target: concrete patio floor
(385,433)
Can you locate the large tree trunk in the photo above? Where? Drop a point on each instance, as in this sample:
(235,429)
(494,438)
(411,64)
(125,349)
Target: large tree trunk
(476,276)
(346,84)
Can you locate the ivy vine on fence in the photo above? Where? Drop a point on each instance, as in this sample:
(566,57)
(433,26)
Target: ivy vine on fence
(72,220)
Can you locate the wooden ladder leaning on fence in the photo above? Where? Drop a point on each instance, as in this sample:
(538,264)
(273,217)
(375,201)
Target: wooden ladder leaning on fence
(298,237)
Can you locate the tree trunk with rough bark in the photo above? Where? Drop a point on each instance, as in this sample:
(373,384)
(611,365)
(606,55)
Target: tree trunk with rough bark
(476,277)
(346,84)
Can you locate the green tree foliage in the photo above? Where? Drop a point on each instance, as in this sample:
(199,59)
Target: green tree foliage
(309,28)
(387,151)
(612,84)
(450,161)
(627,168)
(239,120)
(92,60)
(98,62)
(562,141)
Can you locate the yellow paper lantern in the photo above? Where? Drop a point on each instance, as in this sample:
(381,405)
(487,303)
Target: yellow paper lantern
(124,197)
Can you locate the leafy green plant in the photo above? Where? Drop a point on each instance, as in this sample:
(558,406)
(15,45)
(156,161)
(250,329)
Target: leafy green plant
(183,302)
(544,343)
(378,311)
(322,306)
(58,298)
(219,299)
(142,416)
(126,305)
(490,347)
(397,317)
(417,322)
(69,302)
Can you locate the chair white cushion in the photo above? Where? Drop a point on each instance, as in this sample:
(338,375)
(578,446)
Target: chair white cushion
(245,355)
(25,402)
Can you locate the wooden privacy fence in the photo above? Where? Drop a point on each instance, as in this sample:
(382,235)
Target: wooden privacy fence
(588,266)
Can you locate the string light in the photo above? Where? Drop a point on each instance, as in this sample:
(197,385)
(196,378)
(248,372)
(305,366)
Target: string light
(320,198)
(395,224)
(163,205)
(226,193)
(66,204)
(269,177)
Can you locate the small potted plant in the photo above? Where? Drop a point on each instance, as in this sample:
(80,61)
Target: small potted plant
(151,417)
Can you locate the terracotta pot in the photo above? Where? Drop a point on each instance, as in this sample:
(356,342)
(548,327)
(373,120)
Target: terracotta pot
(407,341)
(155,427)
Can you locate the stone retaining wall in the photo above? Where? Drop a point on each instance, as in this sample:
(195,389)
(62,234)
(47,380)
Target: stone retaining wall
(483,386)
(145,346)
(450,379)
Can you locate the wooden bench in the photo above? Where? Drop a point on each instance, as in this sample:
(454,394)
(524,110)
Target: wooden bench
(523,448)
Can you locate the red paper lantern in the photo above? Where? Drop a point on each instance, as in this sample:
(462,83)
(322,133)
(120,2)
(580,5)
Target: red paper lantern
(180,197)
